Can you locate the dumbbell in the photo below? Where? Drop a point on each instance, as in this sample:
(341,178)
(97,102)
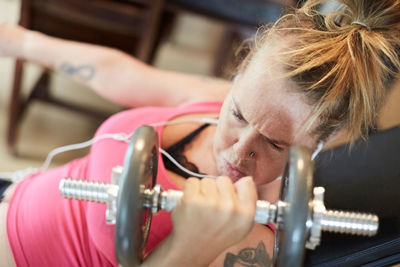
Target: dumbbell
(132,197)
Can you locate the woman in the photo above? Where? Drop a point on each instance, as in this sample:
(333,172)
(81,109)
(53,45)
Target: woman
(307,78)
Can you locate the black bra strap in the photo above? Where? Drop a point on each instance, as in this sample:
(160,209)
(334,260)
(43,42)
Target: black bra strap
(176,151)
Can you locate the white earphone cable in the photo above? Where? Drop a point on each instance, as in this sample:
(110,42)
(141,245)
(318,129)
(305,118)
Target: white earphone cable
(20,174)
(165,153)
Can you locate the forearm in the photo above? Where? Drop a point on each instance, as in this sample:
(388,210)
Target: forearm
(176,253)
(256,248)
(97,67)
(179,252)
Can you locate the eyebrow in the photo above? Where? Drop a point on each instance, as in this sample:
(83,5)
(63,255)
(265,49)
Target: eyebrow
(278,142)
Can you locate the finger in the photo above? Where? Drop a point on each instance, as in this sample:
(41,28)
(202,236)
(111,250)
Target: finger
(192,187)
(209,187)
(226,188)
(246,191)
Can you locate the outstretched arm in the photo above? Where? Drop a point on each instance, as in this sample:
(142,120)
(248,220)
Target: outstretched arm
(113,74)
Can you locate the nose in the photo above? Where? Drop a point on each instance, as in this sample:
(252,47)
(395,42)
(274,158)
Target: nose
(246,144)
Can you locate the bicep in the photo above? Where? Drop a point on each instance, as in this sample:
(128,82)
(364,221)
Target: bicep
(136,84)
(255,250)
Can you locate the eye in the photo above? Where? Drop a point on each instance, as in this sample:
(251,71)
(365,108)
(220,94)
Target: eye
(276,147)
(237,115)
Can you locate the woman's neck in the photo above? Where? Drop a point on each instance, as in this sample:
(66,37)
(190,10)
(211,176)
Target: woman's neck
(200,151)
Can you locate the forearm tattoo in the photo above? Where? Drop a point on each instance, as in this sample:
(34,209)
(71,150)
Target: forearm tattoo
(83,72)
(249,257)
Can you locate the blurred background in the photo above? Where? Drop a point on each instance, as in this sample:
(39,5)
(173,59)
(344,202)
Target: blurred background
(184,35)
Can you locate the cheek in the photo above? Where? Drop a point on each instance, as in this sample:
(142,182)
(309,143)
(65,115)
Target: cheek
(269,168)
(225,136)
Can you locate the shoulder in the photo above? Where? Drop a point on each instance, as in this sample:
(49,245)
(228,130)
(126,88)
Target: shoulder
(128,120)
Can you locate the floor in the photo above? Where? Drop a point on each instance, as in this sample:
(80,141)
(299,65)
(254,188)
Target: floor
(46,127)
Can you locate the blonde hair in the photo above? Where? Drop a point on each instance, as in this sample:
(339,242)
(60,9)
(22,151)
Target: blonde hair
(343,61)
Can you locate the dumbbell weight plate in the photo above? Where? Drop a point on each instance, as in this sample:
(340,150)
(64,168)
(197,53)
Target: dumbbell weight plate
(139,173)
(296,189)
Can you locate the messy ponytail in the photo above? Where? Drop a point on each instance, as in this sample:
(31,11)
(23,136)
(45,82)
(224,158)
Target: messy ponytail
(344,61)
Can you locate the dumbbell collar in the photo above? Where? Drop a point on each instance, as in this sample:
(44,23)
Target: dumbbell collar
(314,224)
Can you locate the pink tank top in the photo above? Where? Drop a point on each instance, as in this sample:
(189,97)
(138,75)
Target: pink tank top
(45,229)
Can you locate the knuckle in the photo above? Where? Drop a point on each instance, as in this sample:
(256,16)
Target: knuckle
(192,180)
(207,180)
(223,179)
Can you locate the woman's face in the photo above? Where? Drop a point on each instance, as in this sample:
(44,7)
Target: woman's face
(260,118)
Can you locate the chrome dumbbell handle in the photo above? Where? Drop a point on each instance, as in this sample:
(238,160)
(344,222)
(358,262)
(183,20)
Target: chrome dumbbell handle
(330,220)
(87,190)
(349,223)
(167,200)
(265,212)
(92,191)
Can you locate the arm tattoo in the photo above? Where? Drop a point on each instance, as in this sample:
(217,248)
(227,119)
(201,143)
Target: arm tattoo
(84,72)
(249,257)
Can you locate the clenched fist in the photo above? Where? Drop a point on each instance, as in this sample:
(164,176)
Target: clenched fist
(216,210)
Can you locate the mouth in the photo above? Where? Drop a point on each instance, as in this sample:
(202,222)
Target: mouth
(233,172)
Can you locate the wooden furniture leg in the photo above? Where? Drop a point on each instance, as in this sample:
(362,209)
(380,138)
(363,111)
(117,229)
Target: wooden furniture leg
(14,110)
